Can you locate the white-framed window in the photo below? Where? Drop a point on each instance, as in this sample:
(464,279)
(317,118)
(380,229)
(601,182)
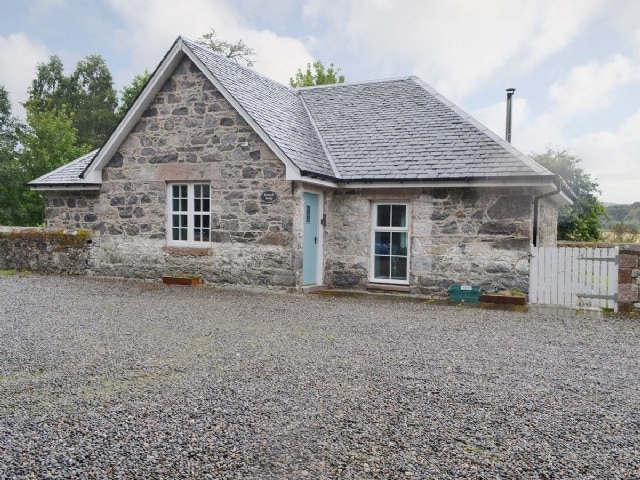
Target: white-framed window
(390,243)
(189,207)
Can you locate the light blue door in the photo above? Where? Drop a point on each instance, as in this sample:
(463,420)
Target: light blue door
(310,239)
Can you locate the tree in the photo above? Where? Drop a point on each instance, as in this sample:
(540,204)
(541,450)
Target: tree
(48,141)
(318,76)
(8,139)
(93,102)
(580,221)
(50,88)
(130,92)
(240,52)
(88,93)
(8,152)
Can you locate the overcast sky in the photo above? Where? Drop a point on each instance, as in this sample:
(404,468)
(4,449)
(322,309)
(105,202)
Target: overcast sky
(575,64)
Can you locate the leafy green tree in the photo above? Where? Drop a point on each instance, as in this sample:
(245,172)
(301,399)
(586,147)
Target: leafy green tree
(580,221)
(239,51)
(8,139)
(130,92)
(93,101)
(8,153)
(317,76)
(50,88)
(88,93)
(48,141)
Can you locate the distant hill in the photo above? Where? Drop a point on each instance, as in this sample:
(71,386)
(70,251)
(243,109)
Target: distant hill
(627,214)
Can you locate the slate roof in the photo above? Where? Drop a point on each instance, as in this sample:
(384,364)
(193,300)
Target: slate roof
(386,130)
(68,174)
(403,129)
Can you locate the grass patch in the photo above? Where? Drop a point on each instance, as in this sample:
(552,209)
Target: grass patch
(9,272)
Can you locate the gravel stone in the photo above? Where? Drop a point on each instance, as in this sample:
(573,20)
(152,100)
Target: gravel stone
(121,379)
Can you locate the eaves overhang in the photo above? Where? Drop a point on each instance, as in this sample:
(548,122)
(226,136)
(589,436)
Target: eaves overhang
(65,187)
(542,183)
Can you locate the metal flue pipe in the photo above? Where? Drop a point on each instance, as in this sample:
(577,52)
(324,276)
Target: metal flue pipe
(510,92)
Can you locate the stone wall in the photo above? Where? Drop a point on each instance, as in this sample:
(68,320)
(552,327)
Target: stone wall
(51,251)
(189,133)
(629,278)
(458,236)
(71,210)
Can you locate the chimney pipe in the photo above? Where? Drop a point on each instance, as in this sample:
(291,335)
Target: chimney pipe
(510,92)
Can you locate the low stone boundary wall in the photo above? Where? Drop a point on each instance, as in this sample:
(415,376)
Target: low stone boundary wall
(52,251)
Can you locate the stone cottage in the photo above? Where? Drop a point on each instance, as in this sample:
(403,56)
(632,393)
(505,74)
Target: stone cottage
(220,171)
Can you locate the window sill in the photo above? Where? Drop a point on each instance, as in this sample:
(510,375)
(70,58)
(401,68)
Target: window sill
(187,251)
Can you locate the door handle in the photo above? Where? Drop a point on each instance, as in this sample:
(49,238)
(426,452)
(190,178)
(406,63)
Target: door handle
(315,240)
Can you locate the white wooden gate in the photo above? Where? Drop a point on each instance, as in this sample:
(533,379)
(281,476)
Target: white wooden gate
(576,277)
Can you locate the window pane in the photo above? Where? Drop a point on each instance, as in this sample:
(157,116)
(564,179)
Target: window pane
(398,268)
(183,234)
(183,221)
(175,191)
(383,240)
(196,221)
(176,220)
(399,216)
(399,243)
(205,221)
(183,191)
(197,205)
(183,205)
(381,267)
(205,235)
(384,216)
(205,191)
(206,207)
(196,191)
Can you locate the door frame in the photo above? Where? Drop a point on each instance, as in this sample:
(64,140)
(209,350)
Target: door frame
(320,245)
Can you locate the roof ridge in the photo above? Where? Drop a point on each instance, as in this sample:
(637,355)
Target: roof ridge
(350,84)
(191,43)
(334,167)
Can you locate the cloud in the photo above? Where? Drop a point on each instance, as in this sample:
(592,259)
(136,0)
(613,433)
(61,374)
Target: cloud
(151,28)
(19,56)
(613,158)
(588,87)
(610,156)
(455,45)
(557,24)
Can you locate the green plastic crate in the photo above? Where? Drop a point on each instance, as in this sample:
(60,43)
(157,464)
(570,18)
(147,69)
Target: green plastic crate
(465,293)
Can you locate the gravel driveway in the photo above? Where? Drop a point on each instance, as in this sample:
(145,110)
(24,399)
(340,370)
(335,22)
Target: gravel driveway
(108,379)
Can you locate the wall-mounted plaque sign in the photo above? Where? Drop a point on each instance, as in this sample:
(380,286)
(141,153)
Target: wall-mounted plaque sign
(268,196)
